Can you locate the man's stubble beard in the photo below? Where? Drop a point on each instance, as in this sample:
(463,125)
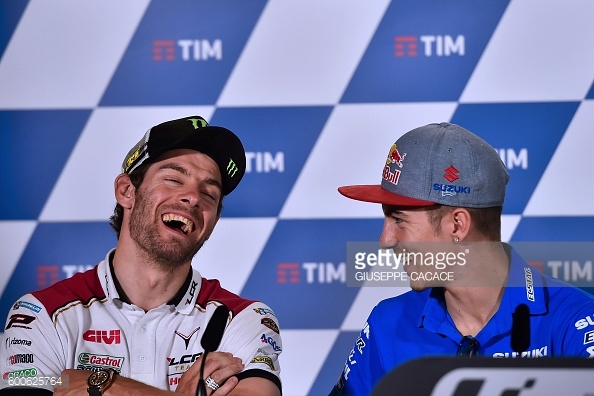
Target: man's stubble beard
(166,255)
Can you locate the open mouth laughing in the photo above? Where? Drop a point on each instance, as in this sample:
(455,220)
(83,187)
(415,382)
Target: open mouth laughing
(178,222)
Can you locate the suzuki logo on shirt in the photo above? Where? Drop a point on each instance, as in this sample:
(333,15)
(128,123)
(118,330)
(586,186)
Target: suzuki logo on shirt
(103,336)
(534,353)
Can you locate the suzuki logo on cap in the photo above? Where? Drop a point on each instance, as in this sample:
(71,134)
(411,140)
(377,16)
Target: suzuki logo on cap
(394,156)
(451,174)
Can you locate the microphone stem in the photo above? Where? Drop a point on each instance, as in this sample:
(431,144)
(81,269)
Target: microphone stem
(201,389)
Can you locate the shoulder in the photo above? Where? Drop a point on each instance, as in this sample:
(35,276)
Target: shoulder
(82,287)
(211,290)
(561,295)
(411,301)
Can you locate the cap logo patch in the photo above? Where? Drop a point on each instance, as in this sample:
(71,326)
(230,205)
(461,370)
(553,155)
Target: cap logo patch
(390,176)
(131,159)
(451,173)
(394,156)
(198,122)
(232,168)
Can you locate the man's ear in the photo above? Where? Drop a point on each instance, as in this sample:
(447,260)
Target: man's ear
(124,191)
(461,221)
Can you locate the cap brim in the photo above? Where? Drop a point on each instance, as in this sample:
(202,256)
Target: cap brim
(376,194)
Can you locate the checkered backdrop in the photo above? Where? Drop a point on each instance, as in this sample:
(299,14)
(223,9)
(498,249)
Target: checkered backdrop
(318,91)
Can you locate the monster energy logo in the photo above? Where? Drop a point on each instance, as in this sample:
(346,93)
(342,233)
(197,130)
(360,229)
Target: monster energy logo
(231,168)
(198,122)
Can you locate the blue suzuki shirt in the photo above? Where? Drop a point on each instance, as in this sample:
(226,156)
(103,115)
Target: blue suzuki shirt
(417,324)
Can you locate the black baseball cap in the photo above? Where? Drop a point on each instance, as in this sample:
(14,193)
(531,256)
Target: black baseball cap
(194,133)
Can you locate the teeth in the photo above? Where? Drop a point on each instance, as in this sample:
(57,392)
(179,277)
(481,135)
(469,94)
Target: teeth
(186,224)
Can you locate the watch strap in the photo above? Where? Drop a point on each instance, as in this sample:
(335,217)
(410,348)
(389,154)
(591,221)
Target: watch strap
(94,391)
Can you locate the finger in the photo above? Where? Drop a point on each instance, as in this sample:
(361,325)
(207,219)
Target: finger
(223,373)
(222,361)
(225,388)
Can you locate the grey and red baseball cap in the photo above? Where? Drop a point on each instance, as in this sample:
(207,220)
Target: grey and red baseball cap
(194,133)
(439,163)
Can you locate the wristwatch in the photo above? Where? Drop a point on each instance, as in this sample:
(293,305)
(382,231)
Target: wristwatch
(98,381)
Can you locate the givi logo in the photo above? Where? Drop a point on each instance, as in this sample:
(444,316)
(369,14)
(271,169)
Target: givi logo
(103,336)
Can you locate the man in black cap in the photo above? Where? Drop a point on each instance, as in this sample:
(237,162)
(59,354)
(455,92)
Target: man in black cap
(139,322)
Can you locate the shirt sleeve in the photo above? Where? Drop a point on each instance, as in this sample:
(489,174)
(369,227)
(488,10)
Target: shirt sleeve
(31,353)
(254,336)
(362,369)
(578,338)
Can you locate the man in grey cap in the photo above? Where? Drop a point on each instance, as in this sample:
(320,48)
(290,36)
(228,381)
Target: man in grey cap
(442,192)
(144,321)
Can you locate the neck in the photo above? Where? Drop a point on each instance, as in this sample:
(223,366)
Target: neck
(473,304)
(144,283)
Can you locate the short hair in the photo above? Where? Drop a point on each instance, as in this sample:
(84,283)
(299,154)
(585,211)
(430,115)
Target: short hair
(485,221)
(137,177)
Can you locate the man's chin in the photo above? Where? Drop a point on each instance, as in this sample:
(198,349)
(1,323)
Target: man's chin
(418,287)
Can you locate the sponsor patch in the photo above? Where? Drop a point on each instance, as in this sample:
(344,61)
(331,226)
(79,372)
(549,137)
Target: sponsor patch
(92,361)
(20,358)
(529,284)
(19,320)
(270,341)
(28,305)
(103,336)
(187,338)
(394,156)
(585,322)
(264,311)
(16,341)
(271,324)
(23,373)
(448,190)
(264,360)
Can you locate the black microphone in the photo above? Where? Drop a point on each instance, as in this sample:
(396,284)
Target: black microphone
(211,339)
(520,332)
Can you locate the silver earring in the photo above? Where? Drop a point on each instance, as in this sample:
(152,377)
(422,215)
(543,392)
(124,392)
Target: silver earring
(456,239)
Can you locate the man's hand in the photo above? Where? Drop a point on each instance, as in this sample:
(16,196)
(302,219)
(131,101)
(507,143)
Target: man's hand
(74,382)
(220,366)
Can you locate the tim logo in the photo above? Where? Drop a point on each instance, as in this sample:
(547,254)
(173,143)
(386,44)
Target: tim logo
(408,46)
(103,336)
(163,50)
(314,272)
(189,50)
(47,275)
(451,173)
(287,273)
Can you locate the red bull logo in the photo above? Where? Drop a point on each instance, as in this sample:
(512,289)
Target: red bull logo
(394,157)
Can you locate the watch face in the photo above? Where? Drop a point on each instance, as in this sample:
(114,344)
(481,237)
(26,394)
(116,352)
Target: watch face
(98,378)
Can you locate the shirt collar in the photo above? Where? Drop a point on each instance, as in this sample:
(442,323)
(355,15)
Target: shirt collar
(524,286)
(184,300)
